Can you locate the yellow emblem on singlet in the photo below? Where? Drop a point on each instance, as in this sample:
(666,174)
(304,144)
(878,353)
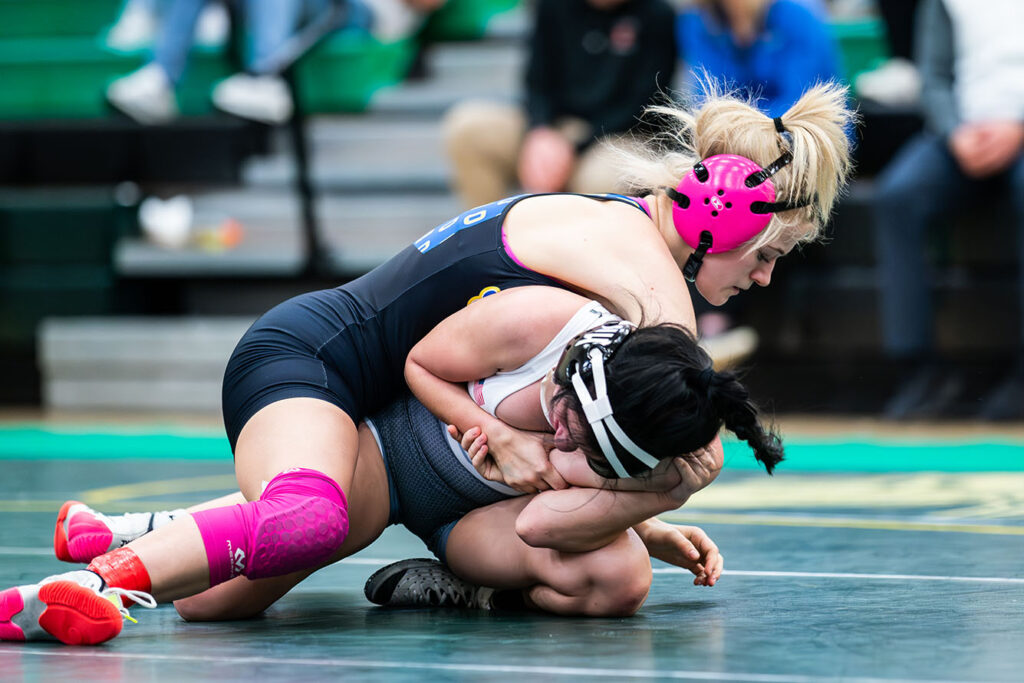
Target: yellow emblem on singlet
(486,291)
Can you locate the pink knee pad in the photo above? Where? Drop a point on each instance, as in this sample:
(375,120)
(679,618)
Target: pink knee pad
(298,522)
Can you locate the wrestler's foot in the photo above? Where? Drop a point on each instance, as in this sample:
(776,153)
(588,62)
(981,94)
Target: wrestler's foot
(424,583)
(76,608)
(83,534)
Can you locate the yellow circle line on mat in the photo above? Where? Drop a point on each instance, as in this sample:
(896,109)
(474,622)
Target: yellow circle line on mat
(683,517)
(116,507)
(109,494)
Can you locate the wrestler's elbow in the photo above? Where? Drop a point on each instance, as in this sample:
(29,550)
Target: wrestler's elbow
(535,528)
(538,530)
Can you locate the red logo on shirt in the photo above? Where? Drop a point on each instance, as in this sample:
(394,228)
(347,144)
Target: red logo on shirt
(623,35)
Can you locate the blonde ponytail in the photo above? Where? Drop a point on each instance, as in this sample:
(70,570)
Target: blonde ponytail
(724,123)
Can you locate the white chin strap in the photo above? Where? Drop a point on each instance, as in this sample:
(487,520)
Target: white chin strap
(598,412)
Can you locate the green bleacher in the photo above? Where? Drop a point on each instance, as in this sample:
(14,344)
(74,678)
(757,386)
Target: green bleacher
(55,63)
(62,148)
(57,239)
(862,45)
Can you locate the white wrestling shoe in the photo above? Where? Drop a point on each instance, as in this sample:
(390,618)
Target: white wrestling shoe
(76,608)
(82,534)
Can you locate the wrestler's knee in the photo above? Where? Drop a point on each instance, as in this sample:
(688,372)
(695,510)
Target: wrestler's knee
(304,522)
(619,578)
(297,524)
(213,607)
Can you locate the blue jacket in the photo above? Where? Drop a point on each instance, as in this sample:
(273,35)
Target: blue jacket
(794,50)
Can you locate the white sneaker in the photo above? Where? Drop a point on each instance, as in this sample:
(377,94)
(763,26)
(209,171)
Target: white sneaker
(394,20)
(145,95)
(76,608)
(213,25)
(896,82)
(731,347)
(134,29)
(260,98)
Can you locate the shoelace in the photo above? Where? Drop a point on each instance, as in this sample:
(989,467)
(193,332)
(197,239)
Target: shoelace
(115,594)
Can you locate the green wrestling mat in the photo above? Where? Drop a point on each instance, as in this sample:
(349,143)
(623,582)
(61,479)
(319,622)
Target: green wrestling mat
(863,560)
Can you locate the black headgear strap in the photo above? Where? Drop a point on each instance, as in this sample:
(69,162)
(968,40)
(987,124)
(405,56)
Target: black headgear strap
(696,259)
(755,179)
(678,197)
(758,177)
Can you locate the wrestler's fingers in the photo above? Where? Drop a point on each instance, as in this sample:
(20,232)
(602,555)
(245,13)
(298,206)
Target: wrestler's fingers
(469,436)
(714,570)
(689,550)
(477,450)
(554,479)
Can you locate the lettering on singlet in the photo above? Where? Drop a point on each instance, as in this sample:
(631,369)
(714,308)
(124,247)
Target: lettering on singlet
(466,219)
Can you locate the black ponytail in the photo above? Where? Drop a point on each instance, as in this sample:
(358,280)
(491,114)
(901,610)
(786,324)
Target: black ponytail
(739,414)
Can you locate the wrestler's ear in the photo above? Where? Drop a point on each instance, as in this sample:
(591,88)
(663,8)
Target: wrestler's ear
(563,436)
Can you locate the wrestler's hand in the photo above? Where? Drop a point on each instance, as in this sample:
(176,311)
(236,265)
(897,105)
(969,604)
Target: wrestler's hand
(513,457)
(688,547)
(474,442)
(696,471)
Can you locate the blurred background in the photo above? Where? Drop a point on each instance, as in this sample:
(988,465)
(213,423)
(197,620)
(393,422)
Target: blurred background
(169,169)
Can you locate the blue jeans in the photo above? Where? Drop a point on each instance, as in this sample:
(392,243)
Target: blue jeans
(268,25)
(175,35)
(920,186)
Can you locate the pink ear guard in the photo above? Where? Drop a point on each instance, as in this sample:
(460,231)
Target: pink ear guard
(724,201)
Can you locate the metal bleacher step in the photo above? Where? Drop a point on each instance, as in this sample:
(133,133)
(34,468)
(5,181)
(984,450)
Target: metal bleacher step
(361,154)
(381,179)
(457,71)
(136,364)
(359,233)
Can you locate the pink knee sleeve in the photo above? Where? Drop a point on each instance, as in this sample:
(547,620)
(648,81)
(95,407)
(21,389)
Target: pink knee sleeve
(298,522)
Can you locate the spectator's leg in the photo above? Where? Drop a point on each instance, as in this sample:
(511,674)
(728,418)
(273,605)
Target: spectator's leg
(1006,402)
(262,94)
(1016,189)
(175,36)
(482,140)
(898,16)
(147,95)
(920,184)
(596,171)
(269,24)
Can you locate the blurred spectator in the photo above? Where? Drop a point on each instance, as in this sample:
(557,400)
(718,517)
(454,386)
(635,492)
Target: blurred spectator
(137,24)
(278,31)
(396,19)
(593,66)
(896,81)
(147,95)
(770,49)
(972,67)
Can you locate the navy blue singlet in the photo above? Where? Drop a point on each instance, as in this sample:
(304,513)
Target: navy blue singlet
(348,345)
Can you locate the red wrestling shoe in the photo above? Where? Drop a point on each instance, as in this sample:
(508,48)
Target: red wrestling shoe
(76,608)
(83,534)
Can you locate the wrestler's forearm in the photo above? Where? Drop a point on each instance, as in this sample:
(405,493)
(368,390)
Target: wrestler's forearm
(448,401)
(581,519)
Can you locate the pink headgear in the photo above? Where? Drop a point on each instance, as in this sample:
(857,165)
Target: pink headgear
(724,201)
